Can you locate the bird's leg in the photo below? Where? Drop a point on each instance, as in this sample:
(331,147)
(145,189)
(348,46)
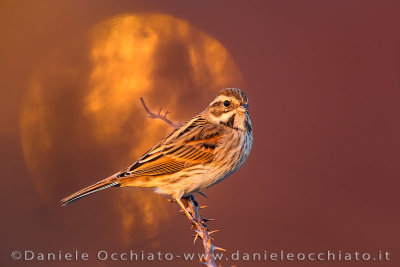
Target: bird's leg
(194,200)
(196,209)
(188,214)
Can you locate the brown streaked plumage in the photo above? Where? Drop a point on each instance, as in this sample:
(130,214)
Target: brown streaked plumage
(198,154)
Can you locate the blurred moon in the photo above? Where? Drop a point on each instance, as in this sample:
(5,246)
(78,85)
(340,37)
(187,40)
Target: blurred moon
(82,119)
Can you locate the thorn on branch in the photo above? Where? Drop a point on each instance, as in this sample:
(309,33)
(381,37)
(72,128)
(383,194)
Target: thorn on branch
(218,248)
(210,233)
(195,238)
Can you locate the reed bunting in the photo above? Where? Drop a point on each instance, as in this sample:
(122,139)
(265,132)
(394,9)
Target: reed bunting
(199,154)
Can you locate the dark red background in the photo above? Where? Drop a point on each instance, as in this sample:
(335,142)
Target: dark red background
(323,81)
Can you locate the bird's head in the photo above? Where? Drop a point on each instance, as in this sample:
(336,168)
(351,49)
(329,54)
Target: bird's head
(230,108)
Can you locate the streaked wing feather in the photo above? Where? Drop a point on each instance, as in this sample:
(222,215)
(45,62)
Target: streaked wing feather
(191,144)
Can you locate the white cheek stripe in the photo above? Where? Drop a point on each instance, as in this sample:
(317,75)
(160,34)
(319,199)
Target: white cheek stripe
(224,117)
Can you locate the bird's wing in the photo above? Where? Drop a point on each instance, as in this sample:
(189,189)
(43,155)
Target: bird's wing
(191,144)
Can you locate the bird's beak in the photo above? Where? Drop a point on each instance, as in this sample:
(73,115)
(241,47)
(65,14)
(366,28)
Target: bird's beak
(242,109)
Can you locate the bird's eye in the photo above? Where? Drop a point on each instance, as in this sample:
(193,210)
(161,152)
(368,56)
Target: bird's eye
(227,103)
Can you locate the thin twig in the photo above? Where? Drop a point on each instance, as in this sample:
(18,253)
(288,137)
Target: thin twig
(158,115)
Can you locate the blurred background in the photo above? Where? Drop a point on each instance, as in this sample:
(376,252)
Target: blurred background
(323,82)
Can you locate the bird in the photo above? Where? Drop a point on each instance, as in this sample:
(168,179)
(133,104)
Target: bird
(200,153)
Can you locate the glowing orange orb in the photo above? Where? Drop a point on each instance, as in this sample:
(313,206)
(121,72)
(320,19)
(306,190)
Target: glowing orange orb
(82,118)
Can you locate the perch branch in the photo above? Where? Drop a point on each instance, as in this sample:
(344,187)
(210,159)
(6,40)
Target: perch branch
(199,224)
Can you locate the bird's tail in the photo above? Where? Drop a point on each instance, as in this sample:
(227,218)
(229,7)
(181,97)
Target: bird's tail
(106,183)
